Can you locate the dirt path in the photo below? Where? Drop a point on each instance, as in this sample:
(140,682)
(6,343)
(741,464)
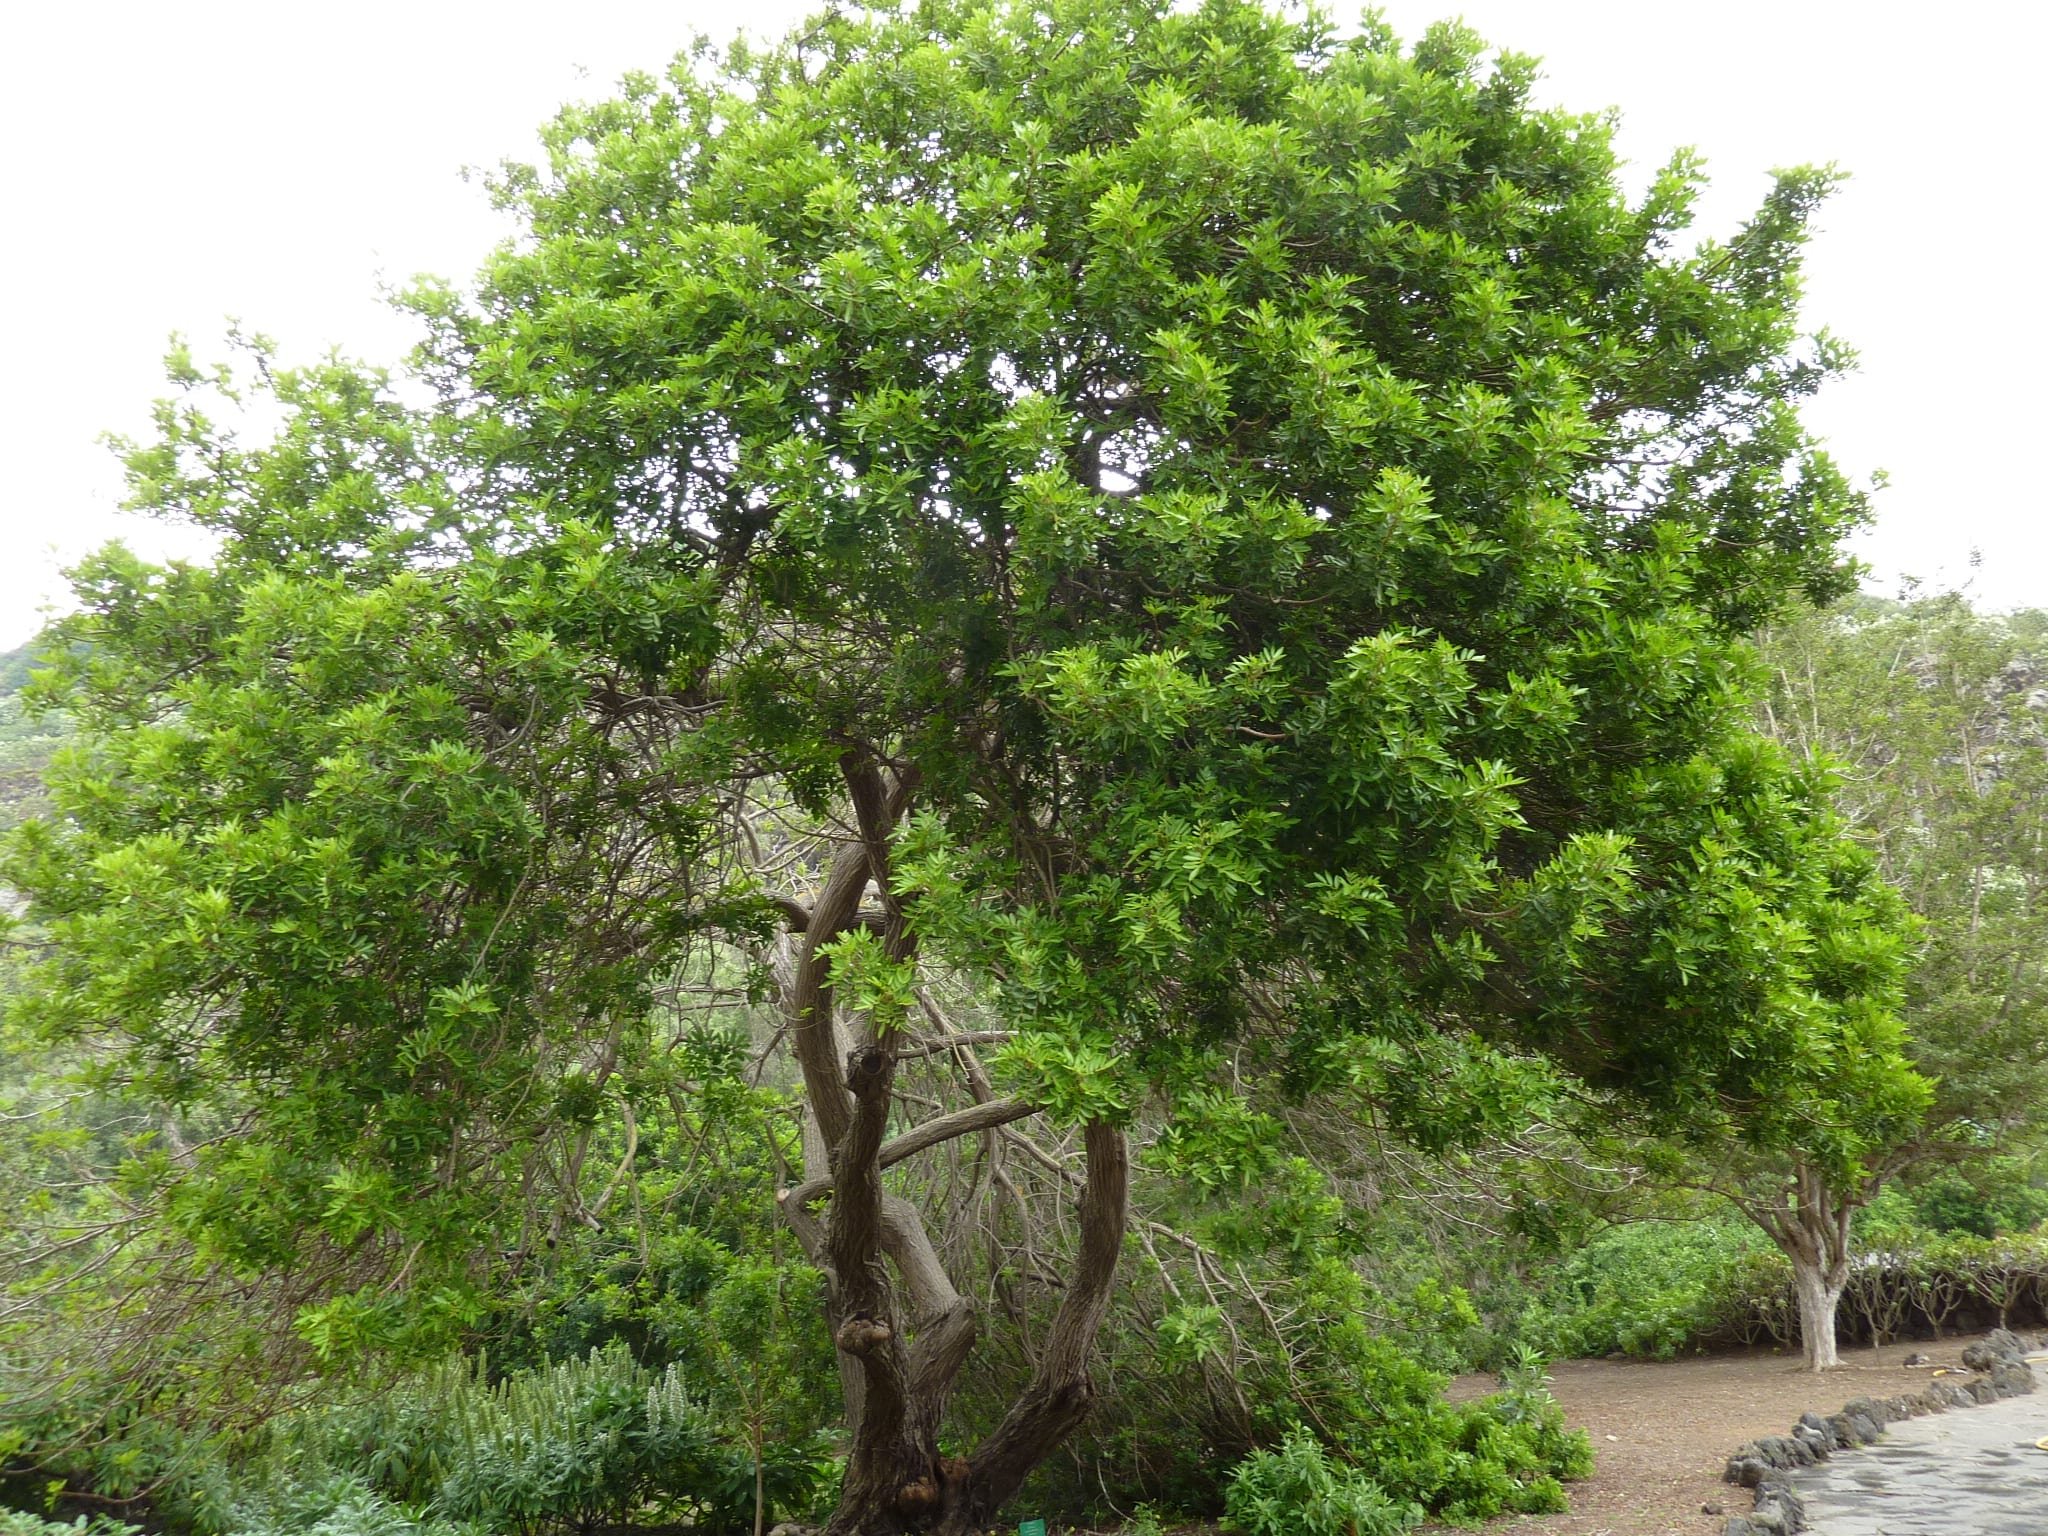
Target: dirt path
(1662,1431)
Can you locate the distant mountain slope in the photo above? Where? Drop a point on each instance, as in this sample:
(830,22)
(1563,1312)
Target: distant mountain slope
(25,743)
(15,666)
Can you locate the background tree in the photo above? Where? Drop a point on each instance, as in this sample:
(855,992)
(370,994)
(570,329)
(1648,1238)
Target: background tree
(1935,714)
(1227,544)
(1939,718)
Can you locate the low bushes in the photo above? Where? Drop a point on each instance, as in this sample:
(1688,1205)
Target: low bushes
(1209,1384)
(1464,1462)
(19,1522)
(1506,1454)
(339,1505)
(1295,1490)
(1956,1282)
(579,1444)
(574,1445)
(1656,1289)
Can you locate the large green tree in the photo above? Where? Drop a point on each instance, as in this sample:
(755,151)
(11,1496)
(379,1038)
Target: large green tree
(1230,541)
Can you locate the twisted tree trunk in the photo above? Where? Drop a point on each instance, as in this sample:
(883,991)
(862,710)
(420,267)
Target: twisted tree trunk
(901,1328)
(908,1358)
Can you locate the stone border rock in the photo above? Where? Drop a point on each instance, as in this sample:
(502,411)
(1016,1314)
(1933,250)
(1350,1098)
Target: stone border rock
(1766,1465)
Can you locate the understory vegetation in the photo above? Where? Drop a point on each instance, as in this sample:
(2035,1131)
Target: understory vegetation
(1058,749)
(1658,1289)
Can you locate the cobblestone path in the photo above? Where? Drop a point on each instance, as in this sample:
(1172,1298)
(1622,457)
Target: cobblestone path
(1969,1472)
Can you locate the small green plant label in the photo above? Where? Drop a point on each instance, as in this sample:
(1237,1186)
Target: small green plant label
(1031,1528)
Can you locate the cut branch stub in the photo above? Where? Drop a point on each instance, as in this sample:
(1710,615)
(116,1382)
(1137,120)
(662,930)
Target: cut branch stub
(859,1335)
(868,1070)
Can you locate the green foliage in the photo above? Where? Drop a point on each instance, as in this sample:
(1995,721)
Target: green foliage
(358,939)
(1930,710)
(1659,1288)
(1295,1491)
(719,1301)
(1275,1325)
(1989,1196)
(335,1505)
(1939,715)
(27,740)
(1223,409)
(715,1300)
(577,1443)
(138,1456)
(1655,1289)
(16,666)
(1466,1462)
(1917,1276)
(21,1522)
(573,1445)
(1255,530)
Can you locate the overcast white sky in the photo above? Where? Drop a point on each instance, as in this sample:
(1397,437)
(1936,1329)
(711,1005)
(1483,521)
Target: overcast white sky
(175,164)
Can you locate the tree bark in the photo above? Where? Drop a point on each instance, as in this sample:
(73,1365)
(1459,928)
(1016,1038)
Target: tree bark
(888,1475)
(1820,1292)
(1060,1392)
(1810,1225)
(903,1338)
(896,1480)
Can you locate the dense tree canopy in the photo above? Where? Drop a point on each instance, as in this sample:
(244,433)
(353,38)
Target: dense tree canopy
(1228,541)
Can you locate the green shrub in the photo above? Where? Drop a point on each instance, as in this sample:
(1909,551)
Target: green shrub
(1199,1378)
(1654,1289)
(1658,1288)
(335,1505)
(132,1456)
(581,1442)
(576,1444)
(2000,1197)
(20,1522)
(1296,1491)
(1466,1462)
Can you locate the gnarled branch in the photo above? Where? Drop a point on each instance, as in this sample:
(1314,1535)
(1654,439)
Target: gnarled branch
(932,1133)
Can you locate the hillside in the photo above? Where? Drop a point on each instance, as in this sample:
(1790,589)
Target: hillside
(25,742)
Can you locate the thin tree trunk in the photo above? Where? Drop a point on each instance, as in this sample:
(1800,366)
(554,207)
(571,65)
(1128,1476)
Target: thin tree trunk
(1060,1392)
(760,1490)
(896,1480)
